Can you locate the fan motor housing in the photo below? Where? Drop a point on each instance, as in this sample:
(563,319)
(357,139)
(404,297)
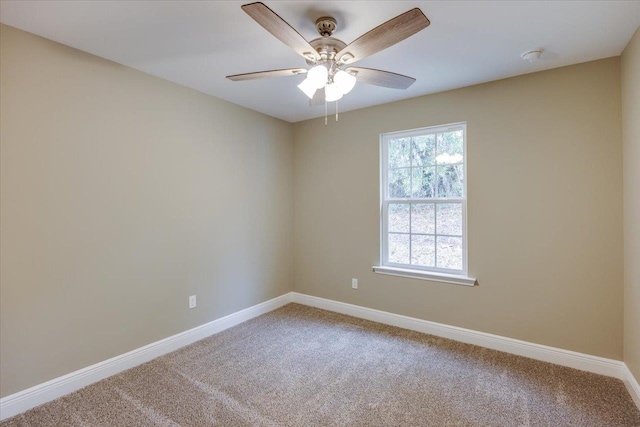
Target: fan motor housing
(327,47)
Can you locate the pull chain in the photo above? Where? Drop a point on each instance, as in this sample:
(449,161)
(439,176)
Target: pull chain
(325,112)
(336,111)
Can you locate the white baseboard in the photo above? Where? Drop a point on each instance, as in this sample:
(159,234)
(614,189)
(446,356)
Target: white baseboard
(58,387)
(572,359)
(558,356)
(632,385)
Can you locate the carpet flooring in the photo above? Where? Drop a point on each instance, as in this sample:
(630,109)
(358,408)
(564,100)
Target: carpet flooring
(300,366)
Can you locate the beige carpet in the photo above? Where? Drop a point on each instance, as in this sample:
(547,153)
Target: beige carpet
(299,366)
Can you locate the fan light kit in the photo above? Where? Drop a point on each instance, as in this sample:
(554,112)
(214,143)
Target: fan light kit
(335,84)
(330,76)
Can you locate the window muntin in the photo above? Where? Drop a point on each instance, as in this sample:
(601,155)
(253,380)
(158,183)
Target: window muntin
(424,199)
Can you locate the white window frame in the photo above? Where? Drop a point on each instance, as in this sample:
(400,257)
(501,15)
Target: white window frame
(411,270)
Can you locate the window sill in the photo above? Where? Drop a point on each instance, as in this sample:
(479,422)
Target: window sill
(426,275)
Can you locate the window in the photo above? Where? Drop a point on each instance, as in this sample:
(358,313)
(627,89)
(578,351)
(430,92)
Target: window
(424,205)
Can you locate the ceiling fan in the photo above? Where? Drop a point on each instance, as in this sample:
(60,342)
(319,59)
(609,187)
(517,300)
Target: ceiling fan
(330,75)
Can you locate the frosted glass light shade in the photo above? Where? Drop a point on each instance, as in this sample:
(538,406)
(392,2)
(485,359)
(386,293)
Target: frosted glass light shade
(308,87)
(332,92)
(318,75)
(345,81)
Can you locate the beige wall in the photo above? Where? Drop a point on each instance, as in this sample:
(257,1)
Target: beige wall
(123,194)
(631,177)
(544,208)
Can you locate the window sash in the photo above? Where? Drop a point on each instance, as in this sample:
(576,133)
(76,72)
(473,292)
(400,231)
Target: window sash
(385,238)
(385,201)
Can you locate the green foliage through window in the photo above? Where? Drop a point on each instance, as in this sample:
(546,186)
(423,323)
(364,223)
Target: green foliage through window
(426,166)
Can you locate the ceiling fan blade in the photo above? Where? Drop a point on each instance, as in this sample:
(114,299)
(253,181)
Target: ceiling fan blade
(383,36)
(318,98)
(264,74)
(381,78)
(279,28)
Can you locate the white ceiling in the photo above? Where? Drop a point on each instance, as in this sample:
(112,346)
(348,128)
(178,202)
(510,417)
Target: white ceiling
(198,43)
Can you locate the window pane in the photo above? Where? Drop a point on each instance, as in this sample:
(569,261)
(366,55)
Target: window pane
(450,146)
(423,150)
(423,251)
(422,218)
(399,150)
(423,182)
(399,217)
(450,181)
(399,248)
(449,218)
(399,183)
(449,252)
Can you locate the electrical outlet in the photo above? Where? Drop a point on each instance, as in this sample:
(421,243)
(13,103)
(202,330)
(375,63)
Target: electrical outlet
(192,301)
(354,283)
